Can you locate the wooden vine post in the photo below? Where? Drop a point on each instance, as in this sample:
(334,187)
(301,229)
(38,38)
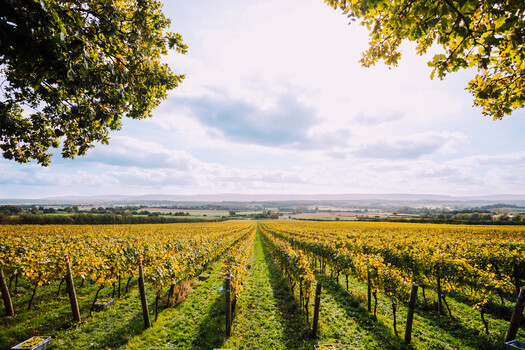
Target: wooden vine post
(228,306)
(70,286)
(410,315)
(439,296)
(369,290)
(516,316)
(316,310)
(9,311)
(142,290)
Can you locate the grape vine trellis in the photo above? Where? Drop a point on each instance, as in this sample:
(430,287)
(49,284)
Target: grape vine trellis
(476,262)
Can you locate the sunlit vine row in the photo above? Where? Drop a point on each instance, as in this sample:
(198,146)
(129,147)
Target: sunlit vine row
(235,264)
(295,265)
(106,253)
(369,268)
(476,261)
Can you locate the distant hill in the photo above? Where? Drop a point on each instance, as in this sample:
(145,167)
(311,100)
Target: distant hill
(397,198)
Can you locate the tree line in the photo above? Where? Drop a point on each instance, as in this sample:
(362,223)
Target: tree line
(485,218)
(93,219)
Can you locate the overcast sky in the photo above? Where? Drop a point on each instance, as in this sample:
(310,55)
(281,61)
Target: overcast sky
(275,101)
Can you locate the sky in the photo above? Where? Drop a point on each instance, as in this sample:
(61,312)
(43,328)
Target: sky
(275,101)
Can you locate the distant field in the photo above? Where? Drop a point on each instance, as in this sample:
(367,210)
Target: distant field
(344,215)
(200,212)
(192,212)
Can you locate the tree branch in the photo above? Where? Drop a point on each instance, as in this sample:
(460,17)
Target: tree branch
(465,20)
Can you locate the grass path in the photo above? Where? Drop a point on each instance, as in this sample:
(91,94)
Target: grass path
(197,323)
(51,315)
(108,329)
(430,330)
(260,322)
(345,323)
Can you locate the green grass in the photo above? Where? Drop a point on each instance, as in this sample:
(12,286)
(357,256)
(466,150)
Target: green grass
(197,323)
(266,315)
(51,315)
(346,323)
(110,328)
(430,330)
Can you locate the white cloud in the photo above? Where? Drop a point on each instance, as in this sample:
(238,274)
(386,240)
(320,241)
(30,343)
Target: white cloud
(410,147)
(513,160)
(134,152)
(9,174)
(276,101)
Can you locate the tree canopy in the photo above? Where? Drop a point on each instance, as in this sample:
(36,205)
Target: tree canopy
(488,35)
(71,70)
